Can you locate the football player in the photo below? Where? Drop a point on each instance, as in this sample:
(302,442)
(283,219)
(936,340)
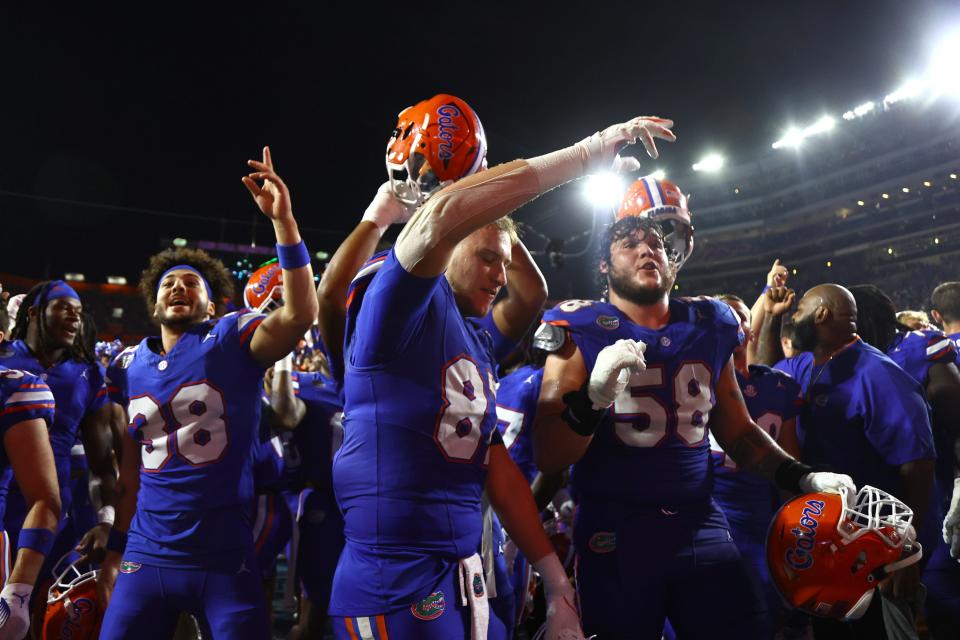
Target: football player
(627,401)
(26,412)
(861,415)
(48,342)
(748,500)
(420,390)
(929,357)
(193,399)
(945,309)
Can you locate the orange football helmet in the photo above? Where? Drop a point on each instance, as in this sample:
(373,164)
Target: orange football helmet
(826,556)
(663,203)
(264,290)
(73,608)
(434,143)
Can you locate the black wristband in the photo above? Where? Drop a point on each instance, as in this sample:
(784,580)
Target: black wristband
(789,473)
(579,413)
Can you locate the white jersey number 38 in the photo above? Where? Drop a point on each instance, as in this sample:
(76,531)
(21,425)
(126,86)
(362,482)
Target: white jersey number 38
(196,420)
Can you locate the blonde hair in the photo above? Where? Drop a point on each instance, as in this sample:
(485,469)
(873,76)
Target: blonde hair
(507,224)
(913,319)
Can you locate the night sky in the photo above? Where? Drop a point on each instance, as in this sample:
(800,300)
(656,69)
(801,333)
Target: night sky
(153,115)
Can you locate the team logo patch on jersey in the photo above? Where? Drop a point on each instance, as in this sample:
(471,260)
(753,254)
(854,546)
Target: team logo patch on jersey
(129,566)
(477,586)
(665,341)
(750,391)
(603,542)
(608,322)
(430,608)
(126,360)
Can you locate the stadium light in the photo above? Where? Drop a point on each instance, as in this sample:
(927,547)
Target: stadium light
(829,264)
(824,124)
(792,138)
(712,162)
(659,174)
(321,255)
(926,183)
(179,242)
(861,203)
(905,189)
(909,89)
(864,109)
(794,271)
(885,196)
(942,73)
(936,241)
(890,251)
(953,176)
(603,189)
(116,280)
(74,277)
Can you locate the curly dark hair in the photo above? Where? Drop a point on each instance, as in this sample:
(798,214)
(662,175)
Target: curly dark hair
(221,283)
(38,297)
(876,316)
(615,232)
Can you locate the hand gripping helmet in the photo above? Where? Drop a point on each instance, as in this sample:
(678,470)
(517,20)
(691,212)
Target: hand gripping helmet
(73,609)
(662,202)
(826,557)
(434,143)
(264,290)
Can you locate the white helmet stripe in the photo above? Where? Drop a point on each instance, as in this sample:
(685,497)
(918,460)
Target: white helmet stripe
(653,191)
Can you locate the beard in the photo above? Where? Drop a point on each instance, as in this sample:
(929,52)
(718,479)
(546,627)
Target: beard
(199,315)
(626,287)
(805,334)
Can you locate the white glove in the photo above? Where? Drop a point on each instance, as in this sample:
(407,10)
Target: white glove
(15,611)
(612,370)
(951,524)
(563,621)
(385,209)
(601,150)
(826,482)
(283,365)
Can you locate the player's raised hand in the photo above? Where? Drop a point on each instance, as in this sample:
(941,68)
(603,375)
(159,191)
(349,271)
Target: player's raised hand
(611,372)
(601,151)
(778,300)
(385,209)
(778,275)
(272,196)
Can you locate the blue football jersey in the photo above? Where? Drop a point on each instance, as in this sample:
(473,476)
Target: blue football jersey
(862,415)
(517,398)
(319,434)
(195,413)
(747,499)
(915,352)
(78,388)
(267,459)
(956,342)
(420,412)
(652,446)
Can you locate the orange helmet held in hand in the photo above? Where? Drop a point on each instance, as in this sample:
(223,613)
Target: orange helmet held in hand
(73,608)
(434,143)
(826,557)
(264,290)
(663,203)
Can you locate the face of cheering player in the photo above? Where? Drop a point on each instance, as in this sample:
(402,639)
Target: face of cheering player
(478,269)
(743,315)
(638,270)
(62,322)
(182,300)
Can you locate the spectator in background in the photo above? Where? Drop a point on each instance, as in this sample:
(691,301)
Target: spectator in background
(945,308)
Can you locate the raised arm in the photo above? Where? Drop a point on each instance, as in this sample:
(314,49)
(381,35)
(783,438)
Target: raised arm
(776,277)
(526,293)
(426,243)
(776,303)
(279,333)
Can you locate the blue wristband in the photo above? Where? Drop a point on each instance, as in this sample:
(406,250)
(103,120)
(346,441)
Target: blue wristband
(116,540)
(40,540)
(293,256)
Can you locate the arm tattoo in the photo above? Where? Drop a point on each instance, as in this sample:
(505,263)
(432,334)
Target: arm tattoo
(757,452)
